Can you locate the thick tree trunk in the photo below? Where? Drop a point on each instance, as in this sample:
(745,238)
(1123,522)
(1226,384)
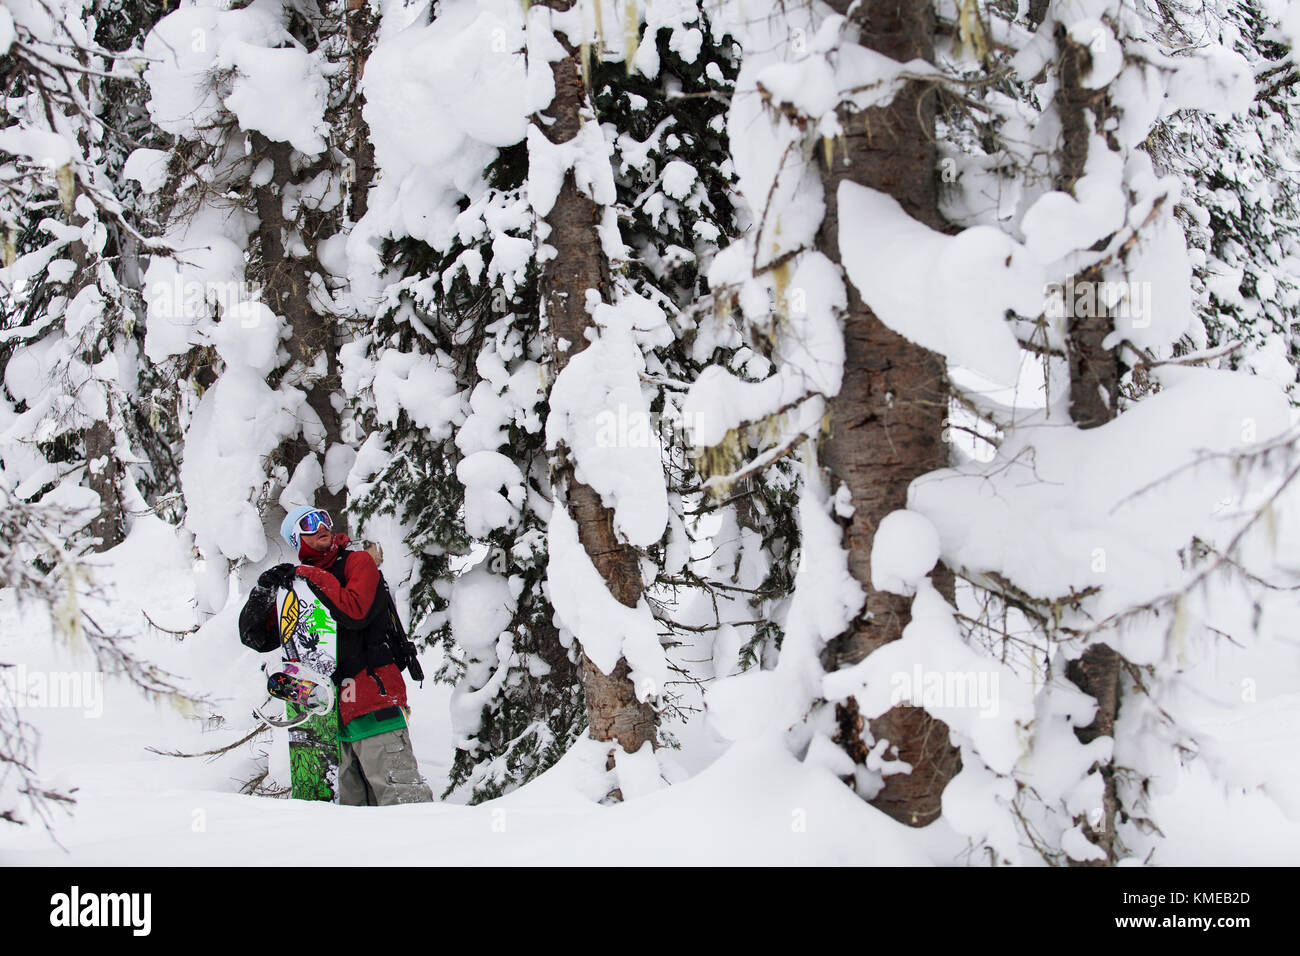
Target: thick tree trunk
(285,289)
(887,421)
(613,711)
(1094,394)
(362,25)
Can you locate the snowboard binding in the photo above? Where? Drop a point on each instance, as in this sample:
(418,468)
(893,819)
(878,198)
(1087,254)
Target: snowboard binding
(289,681)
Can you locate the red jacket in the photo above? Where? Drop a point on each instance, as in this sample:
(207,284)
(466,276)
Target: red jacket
(365,685)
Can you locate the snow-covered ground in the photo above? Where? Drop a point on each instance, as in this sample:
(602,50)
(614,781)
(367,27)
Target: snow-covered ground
(744,803)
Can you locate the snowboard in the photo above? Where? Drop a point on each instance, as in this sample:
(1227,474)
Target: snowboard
(309,635)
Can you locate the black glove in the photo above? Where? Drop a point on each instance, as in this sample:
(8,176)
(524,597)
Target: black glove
(280,576)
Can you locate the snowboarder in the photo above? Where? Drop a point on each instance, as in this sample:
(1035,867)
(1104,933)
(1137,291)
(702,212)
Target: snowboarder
(377,764)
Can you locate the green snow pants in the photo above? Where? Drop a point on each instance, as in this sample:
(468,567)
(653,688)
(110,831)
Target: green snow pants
(380,771)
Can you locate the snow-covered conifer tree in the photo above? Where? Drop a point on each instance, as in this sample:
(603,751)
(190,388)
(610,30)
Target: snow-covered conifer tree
(446,385)
(468,296)
(74,429)
(257,100)
(1062,243)
(1239,202)
(817,106)
(83,453)
(1055,155)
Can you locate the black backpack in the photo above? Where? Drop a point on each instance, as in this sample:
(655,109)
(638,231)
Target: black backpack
(399,645)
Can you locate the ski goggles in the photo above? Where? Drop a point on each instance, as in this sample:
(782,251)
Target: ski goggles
(313,521)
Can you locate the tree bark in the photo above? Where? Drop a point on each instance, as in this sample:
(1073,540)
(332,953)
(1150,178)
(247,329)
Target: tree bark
(361,25)
(1037,12)
(103,470)
(887,421)
(613,711)
(1094,394)
(285,286)
(104,476)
